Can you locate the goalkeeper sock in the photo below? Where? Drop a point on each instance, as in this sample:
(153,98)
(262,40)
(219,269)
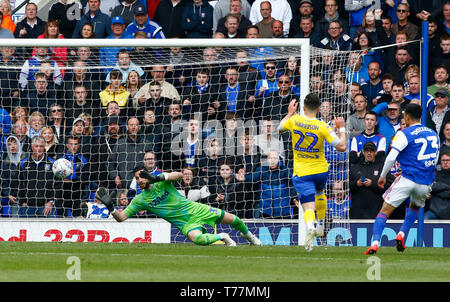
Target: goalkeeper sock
(410,218)
(239,225)
(321,207)
(378,226)
(206,239)
(310,217)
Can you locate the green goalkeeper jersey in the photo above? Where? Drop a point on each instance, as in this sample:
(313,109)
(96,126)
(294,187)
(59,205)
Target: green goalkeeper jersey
(164,200)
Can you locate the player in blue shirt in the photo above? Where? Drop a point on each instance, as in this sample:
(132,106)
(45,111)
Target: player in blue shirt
(416,148)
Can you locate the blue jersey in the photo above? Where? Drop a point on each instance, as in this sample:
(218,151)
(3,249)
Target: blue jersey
(360,140)
(418,148)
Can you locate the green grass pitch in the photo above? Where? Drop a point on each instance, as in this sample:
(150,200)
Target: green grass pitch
(122,262)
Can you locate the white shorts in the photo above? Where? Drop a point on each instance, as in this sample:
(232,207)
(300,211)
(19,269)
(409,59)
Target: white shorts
(402,188)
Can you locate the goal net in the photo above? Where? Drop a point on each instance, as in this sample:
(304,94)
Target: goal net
(208,108)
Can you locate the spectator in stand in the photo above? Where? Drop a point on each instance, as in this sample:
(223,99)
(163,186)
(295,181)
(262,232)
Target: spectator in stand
(30,27)
(168,14)
(359,19)
(372,87)
(201,97)
(73,186)
(265,25)
(445,142)
(277,29)
(331,14)
(389,124)
(233,95)
(60,124)
(231,27)
(276,190)
(158,74)
(443,56)
(336,38)
(171,159)
(19,130)
(9,86)
(192,143)
(143,23)
(356,120)
(100,21)
(4,32)
(80,104)
(369,134)
(414,91)
(364,41)
(157,103)
(108,55)
(384,95)
(79,76)
(383,28)
(37,187)
(40,98)
(355,71)
(125,66)
(305,9)
(133,83)
(107,143)
(404,24)
(197,20)
(36,122)
(53,148)
(307,30)
(31,67)
(401,62)
(269,140)
(9,173)
(441,77)
(125,9)
(128,151)
(366,195)
(8,22)
(233,131)
(276,104)
(226,191)
(222,8)
(444,20)
(192,187)
(115,92)
(435,116)
(209,163)
(440,193)
(153,131)
(248,76)
(65,12)
(267,85)
(281,10)
(242,21)
(57,54)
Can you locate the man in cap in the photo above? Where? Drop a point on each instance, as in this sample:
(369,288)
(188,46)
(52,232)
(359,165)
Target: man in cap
(436,114)
(108,55)
(366,195)
(143,23)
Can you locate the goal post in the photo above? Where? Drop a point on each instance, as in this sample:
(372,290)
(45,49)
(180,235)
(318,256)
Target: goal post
(316,70)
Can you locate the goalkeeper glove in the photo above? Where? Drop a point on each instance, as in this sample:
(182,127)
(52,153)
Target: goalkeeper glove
(102,195)
(152,178)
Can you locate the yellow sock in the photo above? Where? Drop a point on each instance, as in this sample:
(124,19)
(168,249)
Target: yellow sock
(310,218)
(321,205)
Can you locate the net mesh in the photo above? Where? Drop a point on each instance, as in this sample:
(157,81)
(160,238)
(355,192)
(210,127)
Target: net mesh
(211,112)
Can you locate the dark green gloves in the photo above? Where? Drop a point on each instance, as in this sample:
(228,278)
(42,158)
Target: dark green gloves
(102,195)
(152,178)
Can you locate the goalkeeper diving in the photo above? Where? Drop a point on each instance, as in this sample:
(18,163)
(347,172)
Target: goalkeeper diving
(160,197)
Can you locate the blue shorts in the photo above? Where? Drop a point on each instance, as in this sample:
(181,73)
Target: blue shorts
(307,186)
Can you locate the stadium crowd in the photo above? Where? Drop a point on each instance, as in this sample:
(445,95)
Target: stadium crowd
(106,120)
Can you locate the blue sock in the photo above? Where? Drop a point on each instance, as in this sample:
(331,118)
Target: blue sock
(378,226)
(410,218)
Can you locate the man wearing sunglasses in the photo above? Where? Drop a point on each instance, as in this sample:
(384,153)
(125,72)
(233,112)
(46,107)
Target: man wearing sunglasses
(403,23)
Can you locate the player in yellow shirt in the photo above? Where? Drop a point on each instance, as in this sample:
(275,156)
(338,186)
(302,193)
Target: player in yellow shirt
(310,166)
